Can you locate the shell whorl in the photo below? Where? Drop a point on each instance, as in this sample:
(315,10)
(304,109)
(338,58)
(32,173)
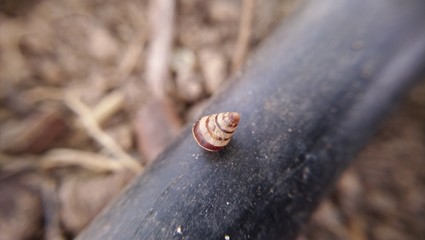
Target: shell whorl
(214,132)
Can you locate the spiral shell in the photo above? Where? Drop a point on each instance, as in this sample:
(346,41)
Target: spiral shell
(214,132)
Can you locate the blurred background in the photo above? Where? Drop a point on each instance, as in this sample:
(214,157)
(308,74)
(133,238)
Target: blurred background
(92,91)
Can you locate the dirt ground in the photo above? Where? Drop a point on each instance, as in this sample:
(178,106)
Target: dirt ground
(92,91)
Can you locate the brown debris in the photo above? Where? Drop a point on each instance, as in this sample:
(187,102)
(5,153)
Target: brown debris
(223,11)
(38,95)
(68,157)
(195,112)
(188,82)
(156,126)
(20,210)
(16,8)
(82,197)
(123,133)
(102,45)
(213,67)
(93,129)
(108,106)
(51,207)
(125,94)
(35,134)
(131,58)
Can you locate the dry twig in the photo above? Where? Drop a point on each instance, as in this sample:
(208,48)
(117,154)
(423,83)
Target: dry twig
(244,34)
(93,129)
(131,57)
(159,52)
(38,94)
(51,210)
(87,160)
(108,106)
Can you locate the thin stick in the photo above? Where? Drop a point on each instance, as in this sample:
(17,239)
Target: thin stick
(131,57)
(51,209)
(90,124)
(108,106)
(87,160)
(244,34)
(161,38)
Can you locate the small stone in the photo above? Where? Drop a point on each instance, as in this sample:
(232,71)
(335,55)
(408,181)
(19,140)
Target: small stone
(224,11)
(189,84)
(102,45)
(213,67)
(179,230)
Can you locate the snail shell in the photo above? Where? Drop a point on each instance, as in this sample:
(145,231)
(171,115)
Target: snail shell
(214,132)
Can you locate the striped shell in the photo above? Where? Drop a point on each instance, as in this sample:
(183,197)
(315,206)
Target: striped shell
(214,132)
